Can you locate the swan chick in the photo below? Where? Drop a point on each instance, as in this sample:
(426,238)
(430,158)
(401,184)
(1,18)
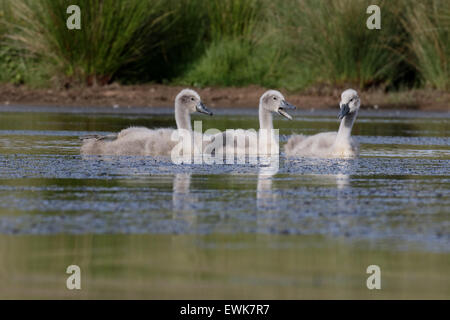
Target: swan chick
(272,101)
(141,141)
(330,144)
(247,142)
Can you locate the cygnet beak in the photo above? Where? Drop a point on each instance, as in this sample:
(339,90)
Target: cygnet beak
(200,107)
(284,105)
(344,111)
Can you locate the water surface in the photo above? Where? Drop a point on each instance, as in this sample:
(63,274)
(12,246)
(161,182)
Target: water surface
(142,227)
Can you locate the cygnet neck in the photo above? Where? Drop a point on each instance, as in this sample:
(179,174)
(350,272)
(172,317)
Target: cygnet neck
(345,128)
(268,142)
(265,118)
(182,117)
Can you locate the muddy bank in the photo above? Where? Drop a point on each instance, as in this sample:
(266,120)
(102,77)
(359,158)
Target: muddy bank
(162,95)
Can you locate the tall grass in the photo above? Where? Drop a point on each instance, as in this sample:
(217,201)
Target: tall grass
(169,50)
(429,27)
(13,66)
(280,43)
(236,62)
(240,52)
(3,13)
(111,35)
(330,39)
(233,18)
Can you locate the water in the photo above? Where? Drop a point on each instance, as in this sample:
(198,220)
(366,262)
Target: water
(145,228)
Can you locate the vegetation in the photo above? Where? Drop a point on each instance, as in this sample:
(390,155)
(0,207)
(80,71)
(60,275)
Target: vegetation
(292,44)
(428,24)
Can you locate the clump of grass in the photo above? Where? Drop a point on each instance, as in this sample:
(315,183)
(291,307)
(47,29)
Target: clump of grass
(110,36)
(233,18)
(169,50)
(291,44)
(429,28)
(3,14)
(12,66)
(330,40)
(239,52)
(236,62)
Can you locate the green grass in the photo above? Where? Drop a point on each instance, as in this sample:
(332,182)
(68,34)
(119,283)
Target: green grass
(429,28)
(181,37)
(12,64)
(111,36)
(293,44)
(330,39)
(243,47)
(235,19)
(236,62)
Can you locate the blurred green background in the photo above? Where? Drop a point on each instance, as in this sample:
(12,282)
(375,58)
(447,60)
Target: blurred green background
(291,44)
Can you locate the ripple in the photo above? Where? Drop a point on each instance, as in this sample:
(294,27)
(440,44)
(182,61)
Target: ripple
(397,190)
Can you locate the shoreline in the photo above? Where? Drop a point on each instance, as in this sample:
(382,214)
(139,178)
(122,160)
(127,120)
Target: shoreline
(156,95)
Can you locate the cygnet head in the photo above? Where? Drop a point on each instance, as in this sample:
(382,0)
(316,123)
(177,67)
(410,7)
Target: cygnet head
(190,100)
(274,101)
(349,104)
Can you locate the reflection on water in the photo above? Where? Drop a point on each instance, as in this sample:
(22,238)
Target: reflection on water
(266,198)
(264,194)
(298,228)
(181,192)
(183,200)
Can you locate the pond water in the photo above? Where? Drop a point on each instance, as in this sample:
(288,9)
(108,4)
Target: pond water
(142,227)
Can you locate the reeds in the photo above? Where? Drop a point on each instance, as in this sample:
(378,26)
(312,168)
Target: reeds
(111,35)
(428,24)
(282,43)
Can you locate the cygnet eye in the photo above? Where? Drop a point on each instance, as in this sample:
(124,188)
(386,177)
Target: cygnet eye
(274,98)
(192,99)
